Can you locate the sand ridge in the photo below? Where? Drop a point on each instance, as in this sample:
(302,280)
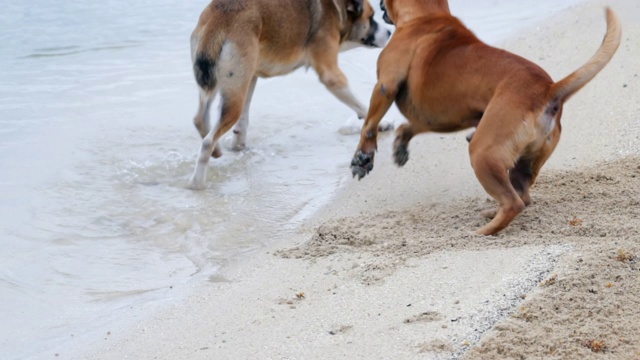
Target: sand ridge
(583,204)
(594,211)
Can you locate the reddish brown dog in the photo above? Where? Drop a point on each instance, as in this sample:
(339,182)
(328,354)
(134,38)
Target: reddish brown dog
(444,79)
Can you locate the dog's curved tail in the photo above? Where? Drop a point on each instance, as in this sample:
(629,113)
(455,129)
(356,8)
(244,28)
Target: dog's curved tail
(206,58)
(565,88)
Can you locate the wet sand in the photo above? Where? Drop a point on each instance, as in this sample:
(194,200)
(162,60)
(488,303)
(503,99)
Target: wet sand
(389,269)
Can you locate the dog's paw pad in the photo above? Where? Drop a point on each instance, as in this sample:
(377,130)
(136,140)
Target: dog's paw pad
(361,164)
(360,172)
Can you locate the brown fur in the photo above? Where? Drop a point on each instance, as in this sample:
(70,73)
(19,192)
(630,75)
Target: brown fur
(238,41)
(444,79)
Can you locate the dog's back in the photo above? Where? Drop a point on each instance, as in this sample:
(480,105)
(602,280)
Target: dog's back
(273,33)
(462,73)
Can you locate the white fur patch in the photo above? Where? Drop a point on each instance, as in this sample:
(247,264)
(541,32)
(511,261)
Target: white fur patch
(546,123)
(381,36)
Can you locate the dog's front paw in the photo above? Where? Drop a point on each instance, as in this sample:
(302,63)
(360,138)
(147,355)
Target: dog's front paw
(361,164)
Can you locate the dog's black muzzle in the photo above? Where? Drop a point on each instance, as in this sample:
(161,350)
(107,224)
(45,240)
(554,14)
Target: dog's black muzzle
(371,37)
(370,40)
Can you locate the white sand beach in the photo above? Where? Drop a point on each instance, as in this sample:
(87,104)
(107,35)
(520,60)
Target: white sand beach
(388,269)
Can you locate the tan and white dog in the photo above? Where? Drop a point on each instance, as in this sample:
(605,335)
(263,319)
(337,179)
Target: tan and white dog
(237,41)
(443,79)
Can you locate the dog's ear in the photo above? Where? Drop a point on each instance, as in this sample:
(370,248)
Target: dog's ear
(355,7)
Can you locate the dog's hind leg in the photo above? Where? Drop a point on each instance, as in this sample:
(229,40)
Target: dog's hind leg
(233,93)
(521,177)
(231,105)
(201,120)
(494,177)
(501,137)
(240,129)
(525,173)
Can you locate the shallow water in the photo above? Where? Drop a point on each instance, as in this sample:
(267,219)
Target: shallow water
(97,145)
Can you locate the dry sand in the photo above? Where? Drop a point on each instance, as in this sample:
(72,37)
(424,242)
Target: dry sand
(389,270)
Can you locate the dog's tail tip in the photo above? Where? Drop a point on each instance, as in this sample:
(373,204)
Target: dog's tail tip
(568,86)
(614,27)
(610,14)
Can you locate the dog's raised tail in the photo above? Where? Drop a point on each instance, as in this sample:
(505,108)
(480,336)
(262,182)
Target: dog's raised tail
(568,86)
(205,61)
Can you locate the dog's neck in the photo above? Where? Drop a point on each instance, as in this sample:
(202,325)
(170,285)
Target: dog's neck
(427,7)
(342,17)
